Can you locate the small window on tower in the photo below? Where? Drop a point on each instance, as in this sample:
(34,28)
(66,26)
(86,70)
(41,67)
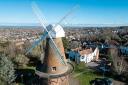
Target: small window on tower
(54,68)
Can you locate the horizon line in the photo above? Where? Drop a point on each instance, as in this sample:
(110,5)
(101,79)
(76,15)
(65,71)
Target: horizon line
(88,25)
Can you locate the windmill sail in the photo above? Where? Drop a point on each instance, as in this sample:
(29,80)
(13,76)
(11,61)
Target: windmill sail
(57,52)
(47,33)
(64,17)
(37,42)
(37,12)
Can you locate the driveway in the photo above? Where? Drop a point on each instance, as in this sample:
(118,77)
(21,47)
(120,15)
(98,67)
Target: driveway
(92,64)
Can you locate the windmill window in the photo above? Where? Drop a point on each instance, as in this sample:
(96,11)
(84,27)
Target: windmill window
(82,57)
(53,68)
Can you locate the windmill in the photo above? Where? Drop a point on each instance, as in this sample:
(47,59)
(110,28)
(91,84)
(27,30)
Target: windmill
(55,69)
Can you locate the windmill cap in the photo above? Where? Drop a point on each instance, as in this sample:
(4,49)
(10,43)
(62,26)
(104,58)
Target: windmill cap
(56,32)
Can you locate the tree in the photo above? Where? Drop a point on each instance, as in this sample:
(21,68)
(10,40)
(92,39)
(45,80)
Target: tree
(119,63)
(65,43)
(7,71)
(11,50)
(21,60)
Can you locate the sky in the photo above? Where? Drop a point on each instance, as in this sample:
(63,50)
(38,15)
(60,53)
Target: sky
(87,12)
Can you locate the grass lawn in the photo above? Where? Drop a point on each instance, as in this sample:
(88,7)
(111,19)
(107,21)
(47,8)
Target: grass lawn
(30,67)
(84,75)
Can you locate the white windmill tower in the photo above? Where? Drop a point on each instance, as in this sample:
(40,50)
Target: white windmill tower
(55,69)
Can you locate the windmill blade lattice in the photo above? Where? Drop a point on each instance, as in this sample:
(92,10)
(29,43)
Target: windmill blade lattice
(57,51)
(39,14)
(64,17)
(47,32)
(42,20)
(52,44)
(43,37)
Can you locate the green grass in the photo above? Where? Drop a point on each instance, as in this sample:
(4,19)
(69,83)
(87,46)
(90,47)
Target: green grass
(85,77)
(27,67)
(30,67)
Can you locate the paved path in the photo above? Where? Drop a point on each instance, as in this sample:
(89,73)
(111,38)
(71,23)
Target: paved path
(73,81)
(118,83)
(76,75)
(92,64)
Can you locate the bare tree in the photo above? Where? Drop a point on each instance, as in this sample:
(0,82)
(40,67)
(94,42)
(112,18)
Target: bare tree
(11,50)
(119,63)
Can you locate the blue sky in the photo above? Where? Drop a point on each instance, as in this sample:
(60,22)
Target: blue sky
(88,12)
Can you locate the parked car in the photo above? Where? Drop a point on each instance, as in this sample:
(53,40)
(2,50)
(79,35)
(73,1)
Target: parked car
(104,68)
(101,81)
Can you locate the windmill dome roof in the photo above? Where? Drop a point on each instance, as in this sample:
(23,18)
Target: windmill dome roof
(57,32)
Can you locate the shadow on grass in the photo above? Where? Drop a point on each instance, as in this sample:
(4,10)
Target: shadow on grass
(33,60)
(26,77)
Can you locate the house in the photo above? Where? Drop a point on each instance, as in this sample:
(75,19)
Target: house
(74,56)
(88,55)
(124,50)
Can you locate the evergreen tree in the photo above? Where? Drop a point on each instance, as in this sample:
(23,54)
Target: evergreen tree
(6,70)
